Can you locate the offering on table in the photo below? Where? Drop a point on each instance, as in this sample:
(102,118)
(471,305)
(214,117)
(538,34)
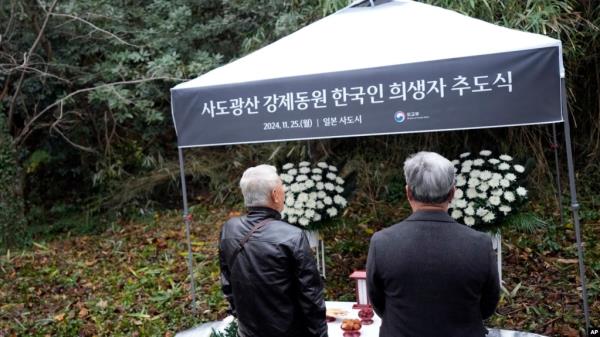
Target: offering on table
(366,315)
(336,313)
(351,327)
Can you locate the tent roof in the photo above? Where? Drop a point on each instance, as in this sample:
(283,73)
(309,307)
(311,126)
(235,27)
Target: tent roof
(397,32)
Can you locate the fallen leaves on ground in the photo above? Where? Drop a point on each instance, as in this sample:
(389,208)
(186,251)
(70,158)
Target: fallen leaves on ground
(130,280)
(133,280)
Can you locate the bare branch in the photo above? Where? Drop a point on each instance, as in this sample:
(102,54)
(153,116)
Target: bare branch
(28,126)
(81,147)
(8,57)
(95,27)
(11,108)
(42,6)
(6,86)
(10,21)
(42,73)
(55,126)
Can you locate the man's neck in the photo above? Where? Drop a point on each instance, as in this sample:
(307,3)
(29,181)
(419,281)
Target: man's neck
(263,208)
(419,206)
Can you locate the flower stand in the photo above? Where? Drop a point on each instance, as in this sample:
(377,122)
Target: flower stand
(318,246)
(497,245)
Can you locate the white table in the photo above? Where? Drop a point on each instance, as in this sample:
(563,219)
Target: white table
(373,330)
(334,328)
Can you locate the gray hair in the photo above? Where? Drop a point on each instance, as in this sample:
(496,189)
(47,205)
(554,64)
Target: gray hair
(257,183)
(429,176)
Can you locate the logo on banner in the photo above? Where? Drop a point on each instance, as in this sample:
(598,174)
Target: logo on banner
(399,116)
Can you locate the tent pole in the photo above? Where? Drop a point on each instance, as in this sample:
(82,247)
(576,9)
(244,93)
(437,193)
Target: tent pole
(558,185)
(187,219)
(575,206)
(499,254)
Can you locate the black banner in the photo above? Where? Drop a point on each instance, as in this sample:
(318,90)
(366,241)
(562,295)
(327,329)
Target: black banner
(506,89)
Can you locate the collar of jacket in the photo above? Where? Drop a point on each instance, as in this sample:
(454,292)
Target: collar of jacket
(437,216)
(263,213)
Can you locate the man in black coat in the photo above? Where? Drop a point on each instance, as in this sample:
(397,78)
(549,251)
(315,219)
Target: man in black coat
(429,276)
(268,272)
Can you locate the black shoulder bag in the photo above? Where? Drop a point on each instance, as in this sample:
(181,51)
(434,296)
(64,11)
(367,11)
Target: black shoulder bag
(246,238)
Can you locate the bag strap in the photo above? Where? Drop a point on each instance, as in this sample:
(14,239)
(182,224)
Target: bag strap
(246,238)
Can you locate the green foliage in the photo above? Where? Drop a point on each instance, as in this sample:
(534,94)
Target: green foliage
(230,331)
(99,81)
(524,221)
(91,121)
(331,6)
(590,213)
(37,159)
(396,191)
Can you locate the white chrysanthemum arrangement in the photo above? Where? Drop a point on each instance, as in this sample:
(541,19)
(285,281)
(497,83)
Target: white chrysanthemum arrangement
(488,189)
(313,193)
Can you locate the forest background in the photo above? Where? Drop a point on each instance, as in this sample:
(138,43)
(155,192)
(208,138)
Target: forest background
(86,136)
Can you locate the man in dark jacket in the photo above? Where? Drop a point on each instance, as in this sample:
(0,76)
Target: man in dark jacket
(429,276)
(268,273)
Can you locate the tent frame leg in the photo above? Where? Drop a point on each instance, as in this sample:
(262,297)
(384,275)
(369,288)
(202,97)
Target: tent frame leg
(575,205)
(499,254)
(187,219)
(559,199)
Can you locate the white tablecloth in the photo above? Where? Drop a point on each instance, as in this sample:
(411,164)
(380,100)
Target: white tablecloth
(335,329)
(372,330)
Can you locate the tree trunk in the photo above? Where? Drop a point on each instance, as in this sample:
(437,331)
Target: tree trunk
(12,210)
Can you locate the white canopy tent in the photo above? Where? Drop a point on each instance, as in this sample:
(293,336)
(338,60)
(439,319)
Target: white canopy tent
(362,43)
(390,67)
(399,32)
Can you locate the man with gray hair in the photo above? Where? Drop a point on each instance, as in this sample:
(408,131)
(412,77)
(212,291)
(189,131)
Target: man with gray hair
(268,272)
(429,276)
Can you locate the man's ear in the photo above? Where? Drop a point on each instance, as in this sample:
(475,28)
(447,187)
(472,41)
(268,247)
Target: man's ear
(451,194)
(409,194)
